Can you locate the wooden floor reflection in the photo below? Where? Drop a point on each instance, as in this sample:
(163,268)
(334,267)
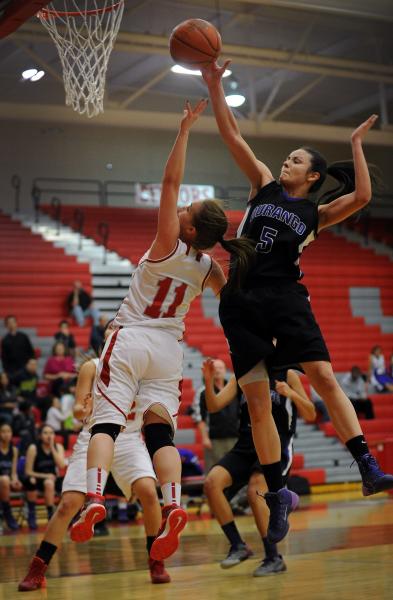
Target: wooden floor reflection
(340,547)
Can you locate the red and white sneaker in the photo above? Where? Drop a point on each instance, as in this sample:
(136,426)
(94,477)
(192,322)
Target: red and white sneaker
(174,520)
(35,578)
(92,512)
(158,573)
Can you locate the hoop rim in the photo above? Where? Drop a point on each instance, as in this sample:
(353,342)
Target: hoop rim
(46,12)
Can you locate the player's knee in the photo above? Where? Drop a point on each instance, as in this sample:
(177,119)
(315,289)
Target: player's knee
(49,484)
(211,485)
(111,429)
(158,435)
(69,506)
(5,481)
(147,492)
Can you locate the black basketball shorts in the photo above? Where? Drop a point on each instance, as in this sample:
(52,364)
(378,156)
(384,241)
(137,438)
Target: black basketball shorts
(252,318)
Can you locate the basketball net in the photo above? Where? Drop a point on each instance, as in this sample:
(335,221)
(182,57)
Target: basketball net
(84,33)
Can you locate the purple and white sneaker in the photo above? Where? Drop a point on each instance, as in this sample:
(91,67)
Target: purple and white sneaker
(281,504)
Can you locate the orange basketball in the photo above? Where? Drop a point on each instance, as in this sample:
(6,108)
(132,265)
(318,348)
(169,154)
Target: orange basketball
(195,43)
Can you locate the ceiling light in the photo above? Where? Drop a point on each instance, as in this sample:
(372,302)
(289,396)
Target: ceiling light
(29,73)
(37,76)
(183,71)
(235,100)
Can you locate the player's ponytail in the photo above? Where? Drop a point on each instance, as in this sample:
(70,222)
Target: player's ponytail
(342,171)
(242,251)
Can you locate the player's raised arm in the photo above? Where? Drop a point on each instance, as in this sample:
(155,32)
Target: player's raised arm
(344,206)
(168,221)
(256,171)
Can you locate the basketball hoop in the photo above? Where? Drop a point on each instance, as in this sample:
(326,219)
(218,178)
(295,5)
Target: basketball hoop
(84,34)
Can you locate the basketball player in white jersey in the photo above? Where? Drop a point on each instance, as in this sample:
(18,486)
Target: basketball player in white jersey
(143,356)
(134,477)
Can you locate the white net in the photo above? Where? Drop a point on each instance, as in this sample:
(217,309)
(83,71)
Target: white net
(84,32)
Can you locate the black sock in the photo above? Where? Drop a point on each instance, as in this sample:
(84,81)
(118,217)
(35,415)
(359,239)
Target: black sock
(357,446)
(149,542)
(49,510)
(273,476)
(270,549)
(232,533)
(46,551)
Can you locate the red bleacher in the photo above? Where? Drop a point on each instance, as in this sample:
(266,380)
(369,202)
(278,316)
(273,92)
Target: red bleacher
(380,230)
(35,279)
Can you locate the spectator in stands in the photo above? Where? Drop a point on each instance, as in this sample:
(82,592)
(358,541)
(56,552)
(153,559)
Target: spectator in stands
(8,399)
(44,459)
(377,374)
(218,430)
(80,305)
(26,381)
(56,418)
(8,474)
(190,466)
(97,334)
(319,405)
(24,426)
(355,387)
(16,347)
(64,335)
(59,369)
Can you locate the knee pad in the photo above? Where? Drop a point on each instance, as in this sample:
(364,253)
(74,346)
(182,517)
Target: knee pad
(158,435)
(111,429)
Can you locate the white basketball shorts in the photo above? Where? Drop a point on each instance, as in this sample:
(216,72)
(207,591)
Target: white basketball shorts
(131,461)
(138,361)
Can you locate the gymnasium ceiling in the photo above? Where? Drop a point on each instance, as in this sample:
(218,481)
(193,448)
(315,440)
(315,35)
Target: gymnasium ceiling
(313,66)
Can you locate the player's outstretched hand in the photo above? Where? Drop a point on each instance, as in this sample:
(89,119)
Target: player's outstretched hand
(190,115)
(359,133)
(208,368)
(212,73)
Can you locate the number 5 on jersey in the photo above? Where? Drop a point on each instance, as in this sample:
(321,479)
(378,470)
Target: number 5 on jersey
(268,235)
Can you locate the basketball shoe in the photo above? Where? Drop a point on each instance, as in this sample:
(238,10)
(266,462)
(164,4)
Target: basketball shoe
(374,480)
(174,520)
(281,504)
(158,573)
(92,512)
(236,555)
(35,578)
(269,566)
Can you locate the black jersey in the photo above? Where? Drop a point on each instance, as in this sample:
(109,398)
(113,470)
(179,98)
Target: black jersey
(44,462)
(281,227)
(6,459)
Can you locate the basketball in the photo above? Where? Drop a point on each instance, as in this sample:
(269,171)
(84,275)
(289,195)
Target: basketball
(195,43)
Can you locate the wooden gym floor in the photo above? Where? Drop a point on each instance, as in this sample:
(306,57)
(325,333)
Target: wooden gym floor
(340,547)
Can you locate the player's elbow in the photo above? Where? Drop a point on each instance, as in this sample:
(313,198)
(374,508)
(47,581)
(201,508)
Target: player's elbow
(363,198)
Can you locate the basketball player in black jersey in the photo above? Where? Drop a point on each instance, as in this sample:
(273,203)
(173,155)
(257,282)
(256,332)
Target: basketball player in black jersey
(240,466)
(271,302)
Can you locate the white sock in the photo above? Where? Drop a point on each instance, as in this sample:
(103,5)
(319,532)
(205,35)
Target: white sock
(171,493)
(96,480)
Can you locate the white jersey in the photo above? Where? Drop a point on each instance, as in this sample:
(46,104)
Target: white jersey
(161,291)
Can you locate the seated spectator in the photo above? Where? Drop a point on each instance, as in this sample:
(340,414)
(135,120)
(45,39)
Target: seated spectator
(59,369)
(97,339)
(64,335)
(24,426)
(355,387)
(16,347)
(8,399)
(319,405)
(56,419)
(8,474)
(80,305)
(44,459)
(26,381)
(218,430)
(190,466)
(377,374)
